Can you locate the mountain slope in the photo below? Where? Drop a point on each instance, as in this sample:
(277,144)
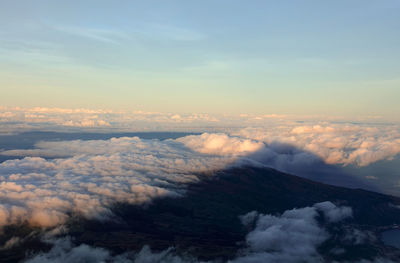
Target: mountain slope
(206,220)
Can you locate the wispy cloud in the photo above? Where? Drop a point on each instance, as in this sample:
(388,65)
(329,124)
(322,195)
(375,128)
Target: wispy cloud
(134,32)
(97,34)
(173,32)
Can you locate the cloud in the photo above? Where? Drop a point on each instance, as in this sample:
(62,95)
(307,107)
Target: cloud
(357,237)
(64,251)
(293,236)
(43,118)
(334,142)
(342,144)
(101,172)
(87,177)
(94,175)
(333,213)
(95,34)
(220,144)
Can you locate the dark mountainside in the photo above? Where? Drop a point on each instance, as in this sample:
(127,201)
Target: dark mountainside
(205,221)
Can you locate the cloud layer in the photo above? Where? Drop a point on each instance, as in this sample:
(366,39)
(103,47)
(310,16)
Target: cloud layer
(94,175)
(342,144)
(60,179)
(86,177)
(41,118)
(333,140)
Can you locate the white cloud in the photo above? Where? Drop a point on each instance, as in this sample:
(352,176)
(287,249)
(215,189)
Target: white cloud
(94,175)
(342,144)
(97,173)
(291,237)
(23,119)
(220,144)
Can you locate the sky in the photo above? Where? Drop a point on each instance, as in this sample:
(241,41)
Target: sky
(337,58)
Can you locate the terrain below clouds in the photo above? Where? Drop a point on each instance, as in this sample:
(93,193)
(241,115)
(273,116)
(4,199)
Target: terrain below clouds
(241,214)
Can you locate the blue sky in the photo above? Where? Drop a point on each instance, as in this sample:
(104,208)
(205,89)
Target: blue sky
(284,57)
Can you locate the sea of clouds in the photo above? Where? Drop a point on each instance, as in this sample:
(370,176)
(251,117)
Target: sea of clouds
(58,179)
(95,175)
(334,140)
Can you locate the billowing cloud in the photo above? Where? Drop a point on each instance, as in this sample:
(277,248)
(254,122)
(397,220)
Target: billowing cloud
(293,236)
(333,213)
(333,140)
(220,144)
(342,144)
(86,177)
(94,175)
